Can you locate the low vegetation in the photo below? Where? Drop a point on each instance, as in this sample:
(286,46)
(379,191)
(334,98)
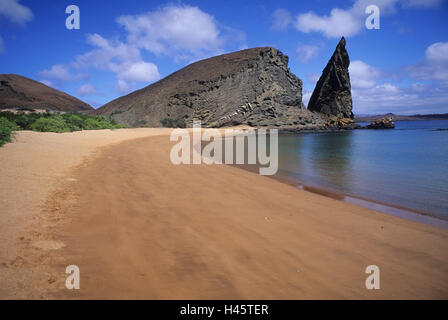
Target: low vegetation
(6,129)
(52,122)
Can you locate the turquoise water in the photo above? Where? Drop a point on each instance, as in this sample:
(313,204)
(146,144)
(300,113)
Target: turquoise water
(406,167)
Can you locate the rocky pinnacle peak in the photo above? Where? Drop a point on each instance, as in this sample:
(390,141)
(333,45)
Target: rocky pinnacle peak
(332,95)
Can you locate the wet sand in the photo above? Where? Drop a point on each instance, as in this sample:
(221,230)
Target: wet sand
(140,227)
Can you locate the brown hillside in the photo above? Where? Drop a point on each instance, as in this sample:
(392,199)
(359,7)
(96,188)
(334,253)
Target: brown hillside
(253,86)
(21,92)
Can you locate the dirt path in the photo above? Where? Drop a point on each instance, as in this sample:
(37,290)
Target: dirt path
(139,227)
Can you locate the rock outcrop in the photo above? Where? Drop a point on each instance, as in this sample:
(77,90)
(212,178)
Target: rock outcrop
(332,95)
(385,123)
(17,92)
(253,87)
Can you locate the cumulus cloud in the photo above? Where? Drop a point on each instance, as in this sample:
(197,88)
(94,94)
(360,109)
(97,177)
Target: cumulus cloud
(435,64)
(109,55)
(363,75)
(180,31)
(121,58)
(140,71)
(338,23)
(15,12)
(307,52)
(57,72)
(412,99)
(173,29)
(86,90)
(342,22)
(61,73)
(122,86)
(281,19)
(373,93)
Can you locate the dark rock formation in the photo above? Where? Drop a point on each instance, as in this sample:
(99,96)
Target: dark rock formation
(253,86)
(332,95)
(20,92)
(386,123)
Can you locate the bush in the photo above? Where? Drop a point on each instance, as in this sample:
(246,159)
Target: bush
(6,128)
(75,122)
(51,122)
(55,123)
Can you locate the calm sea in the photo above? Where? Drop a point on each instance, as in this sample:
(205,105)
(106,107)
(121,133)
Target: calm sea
(405,167)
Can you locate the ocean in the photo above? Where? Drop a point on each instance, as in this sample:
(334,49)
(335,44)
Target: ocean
(406,167)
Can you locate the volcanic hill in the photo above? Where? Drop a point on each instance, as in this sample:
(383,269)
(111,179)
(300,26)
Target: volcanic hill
(253,86)
(18,92)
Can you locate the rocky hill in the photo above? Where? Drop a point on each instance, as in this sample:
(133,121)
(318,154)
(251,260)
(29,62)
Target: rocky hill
(253,86)
(21,92)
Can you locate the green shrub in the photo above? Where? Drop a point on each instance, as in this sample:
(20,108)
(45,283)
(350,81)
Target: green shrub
(75,122)
(54,123)
(6,128)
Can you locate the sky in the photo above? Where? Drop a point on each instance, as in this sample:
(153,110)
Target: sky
(402,67)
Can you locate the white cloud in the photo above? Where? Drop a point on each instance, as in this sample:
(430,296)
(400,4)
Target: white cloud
(387,97)
(437,52)
(372,97)
(306,96)
(342,22)
(123,59)
(435,65)
(109,55)
(307,52)
(86,90)
(173,29)
(61,73)
(14,11)
(281,19)
(140,72)
(338,23)
(57,72)
(123,86)
(182,32)
(363,75)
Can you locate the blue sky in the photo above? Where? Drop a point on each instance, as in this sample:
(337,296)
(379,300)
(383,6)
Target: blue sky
(120,47)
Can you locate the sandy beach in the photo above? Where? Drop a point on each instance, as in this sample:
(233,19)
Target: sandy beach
(112,203)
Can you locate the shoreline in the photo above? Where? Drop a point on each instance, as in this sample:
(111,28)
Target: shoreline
(383,207)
